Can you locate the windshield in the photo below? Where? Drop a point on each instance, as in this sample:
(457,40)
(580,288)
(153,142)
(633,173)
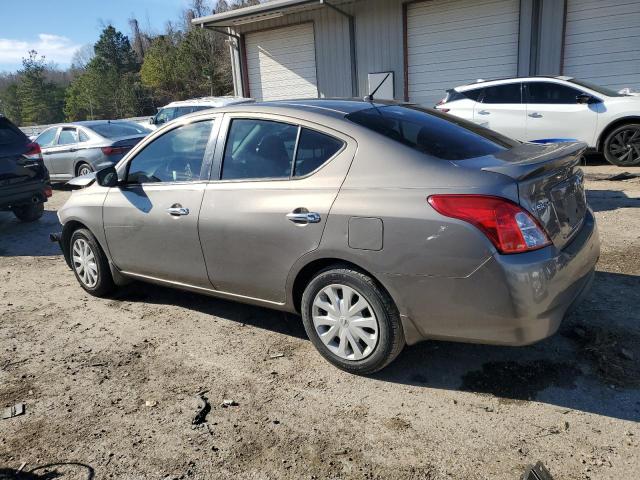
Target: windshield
(432,132)
(597,88)
(118,129)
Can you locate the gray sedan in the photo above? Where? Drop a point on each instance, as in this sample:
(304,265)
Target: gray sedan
(73,149)
(380,224)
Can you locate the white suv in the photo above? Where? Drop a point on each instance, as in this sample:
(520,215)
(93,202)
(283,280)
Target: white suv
(177,109)
(548,109)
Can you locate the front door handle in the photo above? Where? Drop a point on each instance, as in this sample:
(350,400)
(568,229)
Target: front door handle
(303,217)
(535,115)
(484,112)
(177,210)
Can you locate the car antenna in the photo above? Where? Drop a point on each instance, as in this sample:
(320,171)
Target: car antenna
(369,98)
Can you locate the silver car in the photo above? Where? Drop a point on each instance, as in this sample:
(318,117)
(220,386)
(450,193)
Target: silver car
(72,149)
(380,224)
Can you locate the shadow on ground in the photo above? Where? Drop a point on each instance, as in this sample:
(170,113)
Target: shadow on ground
(19,239)
(61,470)
(573,369)
(609,200)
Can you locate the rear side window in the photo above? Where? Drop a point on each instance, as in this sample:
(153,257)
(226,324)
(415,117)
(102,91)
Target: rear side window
(46,138)
(509,93)
(68,136)
(10,134)
(259,149)
(553,93)
(472,94)
(83,136)
(314,149)
(433,133)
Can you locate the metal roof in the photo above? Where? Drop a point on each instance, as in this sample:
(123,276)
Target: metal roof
(255,13)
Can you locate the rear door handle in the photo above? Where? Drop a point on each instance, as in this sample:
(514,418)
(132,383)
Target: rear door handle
(535,115)
(303,218)
(177,210)
(484,112)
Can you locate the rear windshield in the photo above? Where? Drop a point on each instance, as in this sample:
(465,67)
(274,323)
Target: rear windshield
(434,133)
(10,134)
(118,129)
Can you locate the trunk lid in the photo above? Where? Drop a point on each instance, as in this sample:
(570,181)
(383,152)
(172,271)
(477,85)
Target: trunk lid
(550,184)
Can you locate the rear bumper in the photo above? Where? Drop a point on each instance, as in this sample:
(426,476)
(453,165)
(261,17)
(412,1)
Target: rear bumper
(24,194)
(509,300)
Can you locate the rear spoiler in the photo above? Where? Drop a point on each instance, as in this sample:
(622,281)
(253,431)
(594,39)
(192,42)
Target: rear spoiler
(530,160)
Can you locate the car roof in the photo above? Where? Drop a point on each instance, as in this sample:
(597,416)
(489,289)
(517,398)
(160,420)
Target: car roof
(500,81)
(213,102)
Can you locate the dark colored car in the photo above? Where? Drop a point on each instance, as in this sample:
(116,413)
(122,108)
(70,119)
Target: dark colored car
(24,180)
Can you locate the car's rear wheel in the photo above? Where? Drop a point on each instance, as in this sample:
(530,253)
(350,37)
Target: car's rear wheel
(29,213)
(83,169)
(351,320)
(90,264)
(622,146)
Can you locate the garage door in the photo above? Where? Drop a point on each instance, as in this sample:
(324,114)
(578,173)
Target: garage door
(281,63)
(602,42)
(453,42)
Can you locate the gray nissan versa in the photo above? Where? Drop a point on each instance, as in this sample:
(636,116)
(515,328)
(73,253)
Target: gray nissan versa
(381,224)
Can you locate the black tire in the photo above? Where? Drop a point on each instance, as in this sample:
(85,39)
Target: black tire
(622,146)
(29,213)
(83,166)
(390,340)
(104,284)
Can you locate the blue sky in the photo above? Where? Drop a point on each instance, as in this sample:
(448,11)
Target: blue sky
(57,28)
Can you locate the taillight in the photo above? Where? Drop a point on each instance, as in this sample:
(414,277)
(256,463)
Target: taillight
(444,110)
(510,228)
(113,150)
(34,152)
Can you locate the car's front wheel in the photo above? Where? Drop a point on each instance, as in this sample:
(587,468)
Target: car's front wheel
(351,320)
(622,146)
(89,263)
(29,213)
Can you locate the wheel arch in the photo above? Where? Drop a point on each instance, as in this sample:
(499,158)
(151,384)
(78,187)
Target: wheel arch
(79,162)
(612,126)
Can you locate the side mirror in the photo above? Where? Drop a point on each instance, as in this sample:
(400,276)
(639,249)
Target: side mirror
(152,120)
(584,98)
(107,177)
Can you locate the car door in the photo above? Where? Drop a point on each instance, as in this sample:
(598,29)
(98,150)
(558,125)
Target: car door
(553,113)
(151,218)
(273,184)
(62,154)
(47,140)
(500,108)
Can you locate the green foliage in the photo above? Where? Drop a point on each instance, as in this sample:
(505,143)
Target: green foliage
(9,103)
(37,98)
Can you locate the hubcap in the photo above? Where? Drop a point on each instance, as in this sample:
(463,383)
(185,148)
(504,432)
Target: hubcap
(84,170)
(345,322)
(84,263)
(625,146)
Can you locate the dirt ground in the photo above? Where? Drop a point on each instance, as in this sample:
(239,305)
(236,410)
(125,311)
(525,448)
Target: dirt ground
(110,385)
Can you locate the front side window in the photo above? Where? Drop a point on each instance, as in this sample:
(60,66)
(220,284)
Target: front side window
(68,136)
(165,115)
(314,149)
(431,132)
(176,156)
(259,149)
(46,138)
(553,93)
(509,93)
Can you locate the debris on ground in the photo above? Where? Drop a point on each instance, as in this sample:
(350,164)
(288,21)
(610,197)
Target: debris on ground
(13,411)
(151,403)
(622,176)
(276,355)
(536,472)
(203,409)
(229,403)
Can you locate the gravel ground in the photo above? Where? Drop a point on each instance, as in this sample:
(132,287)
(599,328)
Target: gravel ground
(110,385)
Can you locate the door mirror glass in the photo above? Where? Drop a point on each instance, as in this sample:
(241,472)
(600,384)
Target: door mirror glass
(107,177)
(152,120)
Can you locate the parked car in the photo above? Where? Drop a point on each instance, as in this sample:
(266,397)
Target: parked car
(183,107)
(24,180)
(380,224)
(553,108)
(72,149)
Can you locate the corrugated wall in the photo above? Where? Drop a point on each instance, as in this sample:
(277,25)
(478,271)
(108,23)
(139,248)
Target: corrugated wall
(333,56)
